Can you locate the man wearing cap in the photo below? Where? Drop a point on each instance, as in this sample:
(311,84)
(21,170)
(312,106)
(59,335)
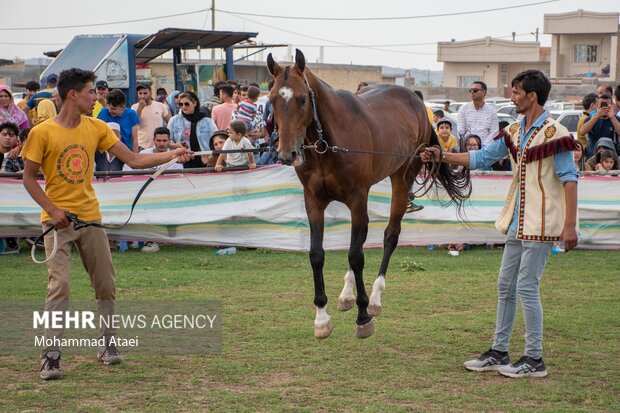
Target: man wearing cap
(152,115)
(50,83)
(101,88)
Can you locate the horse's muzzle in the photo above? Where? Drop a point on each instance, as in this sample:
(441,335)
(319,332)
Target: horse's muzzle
(294,158)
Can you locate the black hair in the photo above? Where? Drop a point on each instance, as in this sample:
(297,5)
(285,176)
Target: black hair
(116,97)
(143,86)
(589,100)
(420,95)
(476,138)
(608,88)
(191,96)
(482,85)
(32,85)
(161,90)
(604,96)
(74,79)
(162,130)
(10,126)
(227,89)
(253,92)
(254,84)
(23,135)
(503,124)
(439,113)
(533,81)
(217,86)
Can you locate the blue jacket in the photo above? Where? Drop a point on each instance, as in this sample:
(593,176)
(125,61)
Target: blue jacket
(178,126)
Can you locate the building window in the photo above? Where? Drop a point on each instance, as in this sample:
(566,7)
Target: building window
(585,53)
(466,81)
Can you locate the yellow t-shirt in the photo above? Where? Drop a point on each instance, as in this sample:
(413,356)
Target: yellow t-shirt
(429,113)
(449,145)
(32,113)
(66,157)
(97,108)
(581,137)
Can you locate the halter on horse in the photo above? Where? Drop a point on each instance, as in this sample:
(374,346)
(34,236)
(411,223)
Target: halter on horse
(384,126)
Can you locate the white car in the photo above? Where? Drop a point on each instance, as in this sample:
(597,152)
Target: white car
(567,118)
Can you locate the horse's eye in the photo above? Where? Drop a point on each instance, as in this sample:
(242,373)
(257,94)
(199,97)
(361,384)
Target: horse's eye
(302,101)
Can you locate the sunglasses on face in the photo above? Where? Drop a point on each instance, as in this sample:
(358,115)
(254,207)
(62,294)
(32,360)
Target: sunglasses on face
(474,90)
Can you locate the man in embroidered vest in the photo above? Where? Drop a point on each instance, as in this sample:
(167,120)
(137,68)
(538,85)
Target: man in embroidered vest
(541,208)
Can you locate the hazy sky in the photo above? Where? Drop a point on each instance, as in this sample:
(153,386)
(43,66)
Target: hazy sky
(400,43)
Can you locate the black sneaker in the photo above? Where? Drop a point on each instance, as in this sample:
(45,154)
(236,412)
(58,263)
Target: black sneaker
(50,366)
(413,207)
(525,367)
(110,355)
(491,360)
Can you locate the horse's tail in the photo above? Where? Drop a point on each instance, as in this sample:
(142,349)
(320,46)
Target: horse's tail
(456,182)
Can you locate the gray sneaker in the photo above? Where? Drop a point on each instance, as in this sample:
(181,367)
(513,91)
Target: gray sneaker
(50,366)
(491,360)
(525,367)
(110,355)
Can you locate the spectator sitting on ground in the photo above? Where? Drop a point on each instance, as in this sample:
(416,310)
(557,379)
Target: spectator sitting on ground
(236,140)
(447,140)
(607,161)
(216,143)
(191,128)
(602,122)
(602,145)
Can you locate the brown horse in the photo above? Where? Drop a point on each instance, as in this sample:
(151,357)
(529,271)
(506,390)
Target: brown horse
(382,127)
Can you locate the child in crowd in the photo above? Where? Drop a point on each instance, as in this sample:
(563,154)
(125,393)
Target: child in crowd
(447,140)
(578,156)
(16,164)
(247,108)
(216,143)
(608,161)
(236,140)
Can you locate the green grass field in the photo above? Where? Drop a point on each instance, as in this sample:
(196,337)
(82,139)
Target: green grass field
(438,311)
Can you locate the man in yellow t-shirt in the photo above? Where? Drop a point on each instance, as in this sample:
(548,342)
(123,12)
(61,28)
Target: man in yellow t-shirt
(589,104)
(64,148)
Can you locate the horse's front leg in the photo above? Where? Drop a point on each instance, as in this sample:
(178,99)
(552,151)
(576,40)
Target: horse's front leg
(316,218)
(359,231)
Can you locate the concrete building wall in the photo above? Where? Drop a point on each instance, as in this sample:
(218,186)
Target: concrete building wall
(567,65)
(454,74)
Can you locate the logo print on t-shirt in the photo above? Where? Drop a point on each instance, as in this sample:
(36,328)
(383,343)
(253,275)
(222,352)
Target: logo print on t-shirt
(73,163)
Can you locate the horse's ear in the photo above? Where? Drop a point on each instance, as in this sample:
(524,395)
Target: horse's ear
(300,61)
(273,67)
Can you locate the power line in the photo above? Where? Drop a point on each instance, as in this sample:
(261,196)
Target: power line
(103,24)
(385,18)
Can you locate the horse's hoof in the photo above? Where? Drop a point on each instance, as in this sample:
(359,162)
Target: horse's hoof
(374,309)
(324,331)
(345,304)
(365,330)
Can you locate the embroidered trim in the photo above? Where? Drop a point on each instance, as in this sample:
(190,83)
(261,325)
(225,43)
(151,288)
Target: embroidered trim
(537,238)
(503,134)
(523,156)
(544,150)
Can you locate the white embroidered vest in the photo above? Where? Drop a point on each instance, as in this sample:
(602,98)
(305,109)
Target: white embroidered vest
(542,205)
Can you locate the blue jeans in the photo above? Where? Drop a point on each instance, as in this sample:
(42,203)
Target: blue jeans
(520,273)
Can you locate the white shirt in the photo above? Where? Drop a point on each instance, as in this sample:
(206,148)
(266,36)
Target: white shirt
(237,159)
(482,122)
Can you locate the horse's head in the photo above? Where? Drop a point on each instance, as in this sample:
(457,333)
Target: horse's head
(292,108)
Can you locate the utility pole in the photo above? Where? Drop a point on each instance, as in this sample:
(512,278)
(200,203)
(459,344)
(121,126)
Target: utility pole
(213,27)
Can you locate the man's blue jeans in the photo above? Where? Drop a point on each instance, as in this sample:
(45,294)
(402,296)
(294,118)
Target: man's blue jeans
(520,273)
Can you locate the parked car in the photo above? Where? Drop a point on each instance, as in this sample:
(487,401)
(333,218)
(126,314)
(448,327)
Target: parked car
(568,119)
(454,107)
(505,117)
(563,106)
(18,97)
(509,110)
(498,101)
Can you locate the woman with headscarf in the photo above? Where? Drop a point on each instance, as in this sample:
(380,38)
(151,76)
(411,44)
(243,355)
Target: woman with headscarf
(9,112)
(172,102)
(191,128)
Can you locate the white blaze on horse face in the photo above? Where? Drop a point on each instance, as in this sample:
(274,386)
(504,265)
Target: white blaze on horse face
(286,93)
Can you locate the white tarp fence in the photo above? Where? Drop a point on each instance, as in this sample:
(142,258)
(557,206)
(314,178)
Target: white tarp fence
(265,208)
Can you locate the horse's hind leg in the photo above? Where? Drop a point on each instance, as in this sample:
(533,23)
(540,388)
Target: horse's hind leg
(347,296)
(359,231)
(390,239)
(316,217)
